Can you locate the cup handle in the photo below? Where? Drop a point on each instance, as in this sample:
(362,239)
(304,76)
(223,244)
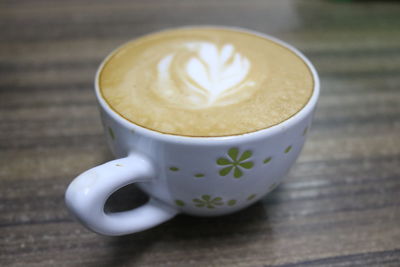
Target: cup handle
(86,195)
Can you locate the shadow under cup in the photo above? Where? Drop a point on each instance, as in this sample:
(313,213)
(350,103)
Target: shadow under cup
(201,176)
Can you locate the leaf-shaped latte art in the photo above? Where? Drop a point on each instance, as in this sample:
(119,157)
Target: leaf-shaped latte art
(209,75)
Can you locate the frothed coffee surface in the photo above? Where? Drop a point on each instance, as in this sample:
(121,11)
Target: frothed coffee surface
(205,82)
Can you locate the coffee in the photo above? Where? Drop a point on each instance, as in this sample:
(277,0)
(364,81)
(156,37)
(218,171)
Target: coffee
(205,81)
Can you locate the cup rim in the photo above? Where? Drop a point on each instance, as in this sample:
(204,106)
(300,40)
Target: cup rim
(262,133)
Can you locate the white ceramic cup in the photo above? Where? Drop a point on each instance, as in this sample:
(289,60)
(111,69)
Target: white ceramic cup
(202,176)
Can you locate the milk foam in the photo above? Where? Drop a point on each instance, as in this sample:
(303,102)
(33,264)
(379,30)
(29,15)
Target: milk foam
(210,76)
(205,82)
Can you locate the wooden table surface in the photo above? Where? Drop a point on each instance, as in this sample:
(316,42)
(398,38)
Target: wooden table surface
(339,206)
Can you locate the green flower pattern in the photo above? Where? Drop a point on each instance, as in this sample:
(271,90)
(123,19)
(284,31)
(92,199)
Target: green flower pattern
(208,201)
(235,163)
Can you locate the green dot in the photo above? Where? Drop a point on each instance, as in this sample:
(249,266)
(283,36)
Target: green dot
(267,160)
(231,202)
(174,169)
(251,197)
(132,131)
(288,149)
(199,175)
(179,203)
(111,132)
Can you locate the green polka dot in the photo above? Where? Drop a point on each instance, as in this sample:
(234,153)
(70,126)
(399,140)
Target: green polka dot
(174,169)
(288,149)
(179,203)
(111,132)
(267,160)
(251,197)
(132,131)
(231,202)
(199,175)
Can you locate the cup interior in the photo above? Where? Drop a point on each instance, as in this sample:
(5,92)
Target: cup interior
(304,111)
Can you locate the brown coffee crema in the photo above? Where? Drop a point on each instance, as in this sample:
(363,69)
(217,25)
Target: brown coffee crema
(205,81)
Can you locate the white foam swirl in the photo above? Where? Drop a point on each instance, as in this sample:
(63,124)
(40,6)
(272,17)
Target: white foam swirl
(209,76)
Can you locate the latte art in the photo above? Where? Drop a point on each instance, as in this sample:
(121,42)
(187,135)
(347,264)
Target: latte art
(205,82)
(206,75)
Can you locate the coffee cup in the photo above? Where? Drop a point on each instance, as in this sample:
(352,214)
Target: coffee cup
(195,175)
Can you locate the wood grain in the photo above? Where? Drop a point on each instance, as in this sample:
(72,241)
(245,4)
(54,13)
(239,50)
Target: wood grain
(339,206)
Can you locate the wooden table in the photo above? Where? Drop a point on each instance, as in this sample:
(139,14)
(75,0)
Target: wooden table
(339,206)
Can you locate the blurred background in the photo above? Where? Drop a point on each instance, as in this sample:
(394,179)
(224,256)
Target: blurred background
(339,206)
